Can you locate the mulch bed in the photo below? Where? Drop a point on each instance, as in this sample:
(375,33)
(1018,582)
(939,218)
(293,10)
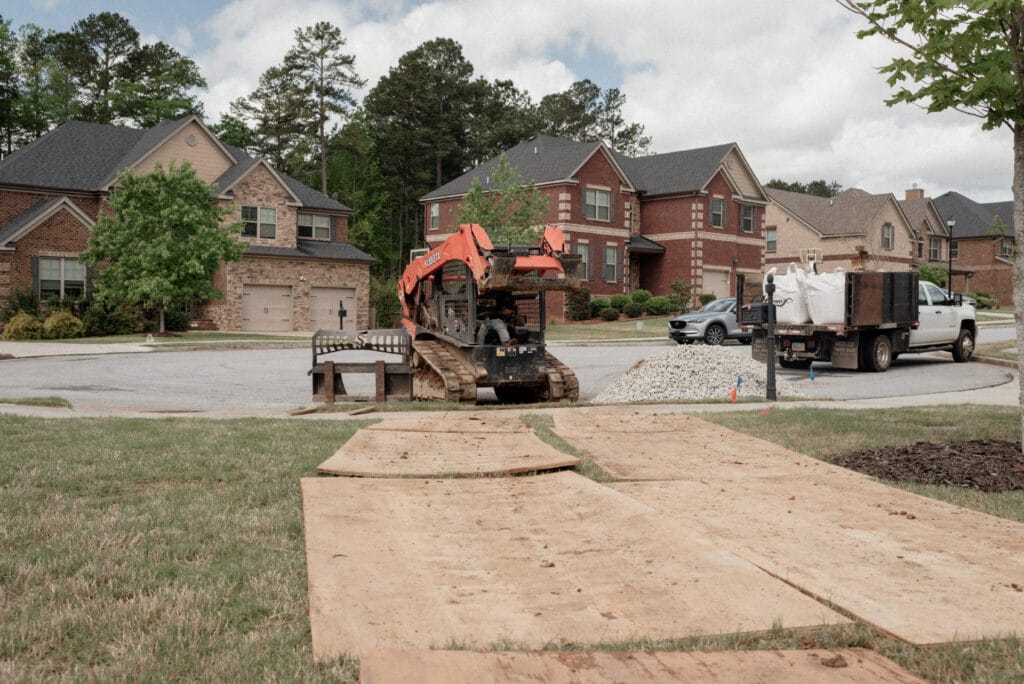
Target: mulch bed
(986,464)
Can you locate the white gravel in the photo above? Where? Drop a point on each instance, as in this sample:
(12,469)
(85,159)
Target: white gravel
(693,372)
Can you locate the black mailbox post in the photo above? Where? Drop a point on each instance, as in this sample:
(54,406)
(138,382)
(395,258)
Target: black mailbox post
(341,315)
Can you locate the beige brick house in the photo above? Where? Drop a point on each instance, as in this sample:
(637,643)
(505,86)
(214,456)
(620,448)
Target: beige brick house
(296,270)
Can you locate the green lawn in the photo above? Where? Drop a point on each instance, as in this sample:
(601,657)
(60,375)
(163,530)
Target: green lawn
(655,327)
(172,549)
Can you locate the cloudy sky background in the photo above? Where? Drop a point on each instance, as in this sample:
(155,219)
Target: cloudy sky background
(788,81)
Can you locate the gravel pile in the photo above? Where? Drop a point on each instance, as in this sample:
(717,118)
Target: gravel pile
(694,371)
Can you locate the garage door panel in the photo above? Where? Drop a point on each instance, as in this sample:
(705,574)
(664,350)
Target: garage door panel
(267,308)
(324,307)
(716,282)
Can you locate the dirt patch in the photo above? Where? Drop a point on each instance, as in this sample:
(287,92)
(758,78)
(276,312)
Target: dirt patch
(986,464)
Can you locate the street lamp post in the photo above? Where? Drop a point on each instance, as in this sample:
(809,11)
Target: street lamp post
(950,223)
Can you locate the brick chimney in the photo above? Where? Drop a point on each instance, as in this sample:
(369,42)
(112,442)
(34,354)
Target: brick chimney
(915,193)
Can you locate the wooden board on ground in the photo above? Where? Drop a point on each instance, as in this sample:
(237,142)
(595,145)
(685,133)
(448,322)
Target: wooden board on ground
(455,421)
(384,453)
(837,666)
(923,570)
(426,563)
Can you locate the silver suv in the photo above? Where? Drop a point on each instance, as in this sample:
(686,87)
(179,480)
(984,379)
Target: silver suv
(714,323)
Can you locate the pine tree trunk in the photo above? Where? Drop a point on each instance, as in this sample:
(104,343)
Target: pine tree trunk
(162,328)
(1018,259)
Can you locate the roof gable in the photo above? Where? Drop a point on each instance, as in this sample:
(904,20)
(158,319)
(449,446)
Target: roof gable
(186,139)
(850,212)
(227,185)
(28,220)
(974,219)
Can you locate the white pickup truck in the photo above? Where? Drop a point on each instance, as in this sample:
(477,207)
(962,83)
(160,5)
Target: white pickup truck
(885,315)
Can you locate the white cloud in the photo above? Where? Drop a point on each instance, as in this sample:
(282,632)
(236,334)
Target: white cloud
(789,82)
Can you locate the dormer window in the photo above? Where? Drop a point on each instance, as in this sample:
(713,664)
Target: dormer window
(597,204)
(314,226)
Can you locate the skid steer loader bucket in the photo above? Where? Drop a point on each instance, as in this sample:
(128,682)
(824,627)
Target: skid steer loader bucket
(534,272)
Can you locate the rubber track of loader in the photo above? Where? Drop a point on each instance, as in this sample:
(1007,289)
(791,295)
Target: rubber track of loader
(570,384)
(459,381)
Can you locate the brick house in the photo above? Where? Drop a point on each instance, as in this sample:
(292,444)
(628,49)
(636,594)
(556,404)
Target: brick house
(926,222)
(854,230)
(298,265)
(982,245)
(695,215)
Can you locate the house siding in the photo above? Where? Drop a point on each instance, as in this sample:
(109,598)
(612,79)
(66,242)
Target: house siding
(205,156)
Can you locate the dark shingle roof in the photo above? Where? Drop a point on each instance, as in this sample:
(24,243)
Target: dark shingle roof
(26,217)
(640,245)
(543,159)
(87,156)
(974,219)
(848,213)
(313,249)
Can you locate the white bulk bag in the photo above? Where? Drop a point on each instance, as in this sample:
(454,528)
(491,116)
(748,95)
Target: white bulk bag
(790,298)
(826,299)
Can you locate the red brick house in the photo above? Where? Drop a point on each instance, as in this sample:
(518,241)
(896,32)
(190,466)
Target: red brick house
(695,215)
(982,245)
(298,264)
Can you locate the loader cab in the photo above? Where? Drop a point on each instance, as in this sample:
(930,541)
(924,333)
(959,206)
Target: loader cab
(521,312)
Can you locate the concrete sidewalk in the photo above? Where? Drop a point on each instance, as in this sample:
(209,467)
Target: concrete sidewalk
(22,350)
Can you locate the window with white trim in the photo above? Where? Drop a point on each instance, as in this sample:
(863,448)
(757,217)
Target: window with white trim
(60,277)
(920,247)
(597,204)
(610,271)
(259,222)
(717,212)
(747,218)
(1006,247)
(934,249)
(771,239)
(954,249)
(435,216)
(886,236)
(314,226)
(583,249)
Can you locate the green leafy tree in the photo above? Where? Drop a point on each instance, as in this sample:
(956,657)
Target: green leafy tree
(233,131)
(279,121)
(325,76)
(163,242)
(820,187)
(501,117)
(47,94)
(511,211)
(932,274)
(156,86)
(9,84)
(967,57)
(586,112)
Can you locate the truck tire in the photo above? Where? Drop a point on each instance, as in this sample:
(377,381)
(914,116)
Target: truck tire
(963,348)
(876,354)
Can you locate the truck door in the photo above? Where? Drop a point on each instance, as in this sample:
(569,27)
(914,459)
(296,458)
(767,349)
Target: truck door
(936,315)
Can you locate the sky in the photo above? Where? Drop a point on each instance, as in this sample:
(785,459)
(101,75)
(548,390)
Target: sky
(789,82)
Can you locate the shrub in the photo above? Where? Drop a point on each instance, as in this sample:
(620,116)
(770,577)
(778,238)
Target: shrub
(176,320)
(633,309)
(707,298)
(675,302)
(641,296)
(577,304)
(984,300)
(932,274)
(597,305)
(659,306)
(123,319)
(62,325)
(20,299)
(619,301)
(23,326)
(610,313)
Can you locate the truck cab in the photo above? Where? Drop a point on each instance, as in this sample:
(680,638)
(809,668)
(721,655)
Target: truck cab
(940,316)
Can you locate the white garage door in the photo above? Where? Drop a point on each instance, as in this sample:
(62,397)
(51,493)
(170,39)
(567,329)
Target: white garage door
(324,307)
(716,282)
(266,308)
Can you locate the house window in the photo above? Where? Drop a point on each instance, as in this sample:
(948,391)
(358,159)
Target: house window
(259,222)
(61,278)
(920,248)
(435,216)
(597,204)
(1006,247)
(583,249)
(315,226)
(747,219)
(887,236)
(770,239)
(610,273)
(717,212)
(934,249)
(954,249)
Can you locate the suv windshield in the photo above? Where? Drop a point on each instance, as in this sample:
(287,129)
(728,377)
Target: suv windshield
(717,305)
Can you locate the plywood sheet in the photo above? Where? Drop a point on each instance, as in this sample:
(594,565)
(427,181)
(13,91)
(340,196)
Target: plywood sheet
(423,563)
(659,447)
(838,666)
(385,453)
(923,570)
(456,421)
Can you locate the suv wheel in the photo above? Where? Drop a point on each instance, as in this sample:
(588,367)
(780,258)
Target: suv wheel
(714,335)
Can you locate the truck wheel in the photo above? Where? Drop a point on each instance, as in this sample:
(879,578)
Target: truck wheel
(714,335)
(876,356)
(963,348)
